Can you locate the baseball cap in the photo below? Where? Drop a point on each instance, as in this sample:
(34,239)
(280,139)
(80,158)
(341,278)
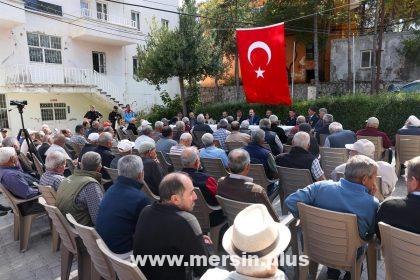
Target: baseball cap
(146,146)
(93,137)
(125,145)
(362,146)
(145,122)
(372,120)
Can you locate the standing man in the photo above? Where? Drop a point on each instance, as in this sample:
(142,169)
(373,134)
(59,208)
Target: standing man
(253,119)
(128,114)
(312,118)
(92,115)
(114,116)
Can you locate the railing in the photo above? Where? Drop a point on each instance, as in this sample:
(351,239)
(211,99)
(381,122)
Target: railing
(43,74)
(108,18)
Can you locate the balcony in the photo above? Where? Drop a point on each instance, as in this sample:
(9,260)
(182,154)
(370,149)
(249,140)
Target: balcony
(106,29)
(11,16)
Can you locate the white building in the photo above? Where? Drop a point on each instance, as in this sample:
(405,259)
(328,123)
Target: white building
(61,56)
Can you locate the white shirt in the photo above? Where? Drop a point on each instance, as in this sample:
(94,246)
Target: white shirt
(57,148)
(221,274)
(141,139)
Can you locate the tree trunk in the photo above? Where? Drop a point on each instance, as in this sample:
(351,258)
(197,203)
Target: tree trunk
(349,73)
(379,49)
(316,56)
(237,73)
(183,100)
(362,18)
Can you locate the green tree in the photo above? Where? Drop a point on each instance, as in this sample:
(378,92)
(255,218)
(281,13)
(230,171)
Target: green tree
(184,52)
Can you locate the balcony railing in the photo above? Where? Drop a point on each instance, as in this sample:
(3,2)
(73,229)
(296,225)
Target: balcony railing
(87,13)
(43,74)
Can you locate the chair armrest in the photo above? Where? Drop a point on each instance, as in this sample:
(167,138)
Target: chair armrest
(20,200)
(214,208)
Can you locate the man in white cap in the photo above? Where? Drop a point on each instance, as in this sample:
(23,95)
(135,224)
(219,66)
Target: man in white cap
(411,127)
(265,240)
(371,129)
(93,139)
(385,170)
(125,147)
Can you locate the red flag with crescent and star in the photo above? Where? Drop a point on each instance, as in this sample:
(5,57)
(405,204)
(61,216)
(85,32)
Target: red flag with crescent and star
(262,56)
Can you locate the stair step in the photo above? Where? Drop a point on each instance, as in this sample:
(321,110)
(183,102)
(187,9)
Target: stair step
(113,98)
(108,95)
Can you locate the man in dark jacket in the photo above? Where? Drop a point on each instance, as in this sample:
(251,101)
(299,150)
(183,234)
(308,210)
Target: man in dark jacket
(338,137)
(275,122)
(327,119)
(114,116)
(104,150)
(153,172)
(271,137)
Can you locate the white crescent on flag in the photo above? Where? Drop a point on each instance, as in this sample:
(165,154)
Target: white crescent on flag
(259,45)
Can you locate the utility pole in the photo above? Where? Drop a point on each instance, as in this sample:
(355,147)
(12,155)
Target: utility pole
(379,50)
(316,56)
(236,58)
(349,74)
(373,55)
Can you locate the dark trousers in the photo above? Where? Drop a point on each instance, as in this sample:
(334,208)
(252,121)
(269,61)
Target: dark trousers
(30,207)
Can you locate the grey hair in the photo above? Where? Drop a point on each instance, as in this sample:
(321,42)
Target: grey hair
(200,118)
(301,139)
(189,156)
(146,130)
(6,153)
(413,168)
(207,139)
(274,119)
(104,138)
(91,161)
(185,136)
(245,124)
(335,127)
(300,119)
(234,126)
(185,120)
(54,160)
(258,135)
(59,139)
(265,123)
(223,123)
(180,126)
(328,118)
(238,160)
(158,124)
(9,141)
(359,166)
(130,166)
(324,110)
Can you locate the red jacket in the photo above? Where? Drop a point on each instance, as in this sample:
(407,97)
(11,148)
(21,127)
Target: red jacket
(371,131)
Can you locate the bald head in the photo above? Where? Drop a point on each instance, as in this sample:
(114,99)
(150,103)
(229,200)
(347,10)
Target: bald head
(239,161)
(59,139)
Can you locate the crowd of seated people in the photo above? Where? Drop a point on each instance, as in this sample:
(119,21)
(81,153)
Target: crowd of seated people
(122,211)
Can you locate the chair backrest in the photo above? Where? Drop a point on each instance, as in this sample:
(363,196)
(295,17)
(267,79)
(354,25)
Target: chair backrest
(214,167)
(14,201)
(380,192)
(201,211)
(197,138)
(401,251)
(121,135)
(77,148)
(48,193)
(234,145)
(166,166)
(287,148)
(149,193)
(125,270)
(89,236)
(331,158)
(38,165)
(176,161)
(70,165)
(231,208)
(293,179)
(131,135)
(322,137)
(256,171)
(113,173)
(407,147)
(377,141)
(330,238)
(65,231)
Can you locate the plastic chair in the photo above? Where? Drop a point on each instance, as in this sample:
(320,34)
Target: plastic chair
(197,138)
(401,252)
(332,239)
(77,148)
(166,166)
(214,167)
(406,148)
(113,173)
(322,137)
(176,161)
(125,270)
(378,142)
(38,165)
(149,193)
(234,145)
(331,158)
(70,165)
(291,180)
(130,135)
(50,196)
(257,172)
(379,194)
(231,208)
(89,236)
(22,224)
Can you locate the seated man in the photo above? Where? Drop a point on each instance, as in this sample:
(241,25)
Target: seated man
(295,129)
(59,142)
(23,164)
(260,155)
(268,234)
(411,127)
(18,183)
(238,186)
(146,135)
(221,133)
(153,172)
(211,151)
(271,137)
(185,140)
(43,148)
(404,212)
(121,206)
(125,147)
(180,129)
(353,194)
(55,163)
(291,119)
(252,118)
(385,170)
(104,150)
(236,135)
(327,119)
(167,228)
(322,112)
(244,128)
(338,137)
(165,142)
(299,157)
(91,145)
(313,144)
(157,132)
(81,193)
(371,129)
(275,122)
(201,126)
(312,118)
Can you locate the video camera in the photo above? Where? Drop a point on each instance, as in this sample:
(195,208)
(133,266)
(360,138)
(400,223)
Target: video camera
(18,103)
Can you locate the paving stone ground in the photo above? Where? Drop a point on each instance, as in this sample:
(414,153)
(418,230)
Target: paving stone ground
(39,262)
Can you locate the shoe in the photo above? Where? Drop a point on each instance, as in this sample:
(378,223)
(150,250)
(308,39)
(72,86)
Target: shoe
(3,213)
(5,208)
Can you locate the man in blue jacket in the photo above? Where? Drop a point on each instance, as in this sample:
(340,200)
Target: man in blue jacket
(121,206)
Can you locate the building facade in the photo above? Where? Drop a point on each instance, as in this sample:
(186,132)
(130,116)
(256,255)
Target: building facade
(61,56)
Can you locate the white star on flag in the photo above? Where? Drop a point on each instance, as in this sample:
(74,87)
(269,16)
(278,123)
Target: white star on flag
(259,72)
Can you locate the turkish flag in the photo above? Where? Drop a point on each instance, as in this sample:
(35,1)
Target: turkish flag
(262,55)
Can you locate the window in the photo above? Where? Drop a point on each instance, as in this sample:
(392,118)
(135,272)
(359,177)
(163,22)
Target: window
(135,19)
(99,62)
(53,111)
(165,23)
(101,11)
(44,7)
(135,64)
(4,121)
(44,48)
(310,51)
(367,59)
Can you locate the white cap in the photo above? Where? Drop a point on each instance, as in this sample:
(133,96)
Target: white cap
(413,120)
(93,137)
(125,145)
(372,120)
(363,147)
(145,122)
